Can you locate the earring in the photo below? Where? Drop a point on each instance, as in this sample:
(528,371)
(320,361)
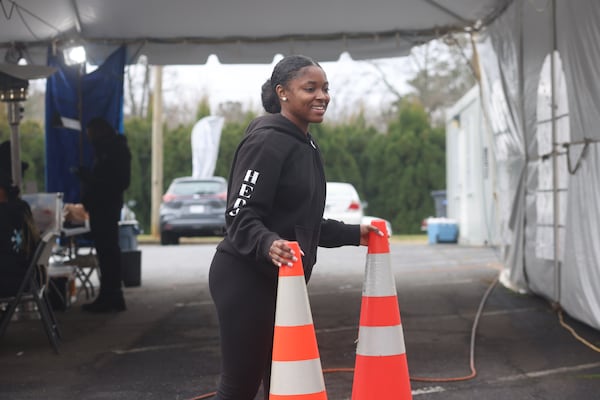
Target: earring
(284,99)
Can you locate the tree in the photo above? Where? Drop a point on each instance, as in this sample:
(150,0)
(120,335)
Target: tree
(231,136)
(139,137)
(403,167)
(342,147)
(443,74)
(137,88)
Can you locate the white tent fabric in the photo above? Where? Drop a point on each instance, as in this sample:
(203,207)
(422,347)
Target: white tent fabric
(542,94)
(206,135)
(253,31)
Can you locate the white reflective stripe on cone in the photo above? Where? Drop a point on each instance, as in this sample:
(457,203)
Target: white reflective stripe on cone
(293,298)
(297,377)
(379,279)
(380,341)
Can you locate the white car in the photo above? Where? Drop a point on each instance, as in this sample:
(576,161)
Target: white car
(343,203)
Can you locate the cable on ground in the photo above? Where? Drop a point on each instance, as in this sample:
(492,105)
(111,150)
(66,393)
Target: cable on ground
(575,335)
(473,373)
(424,379)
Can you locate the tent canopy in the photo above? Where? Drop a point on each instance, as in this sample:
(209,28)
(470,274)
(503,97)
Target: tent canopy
(254,31)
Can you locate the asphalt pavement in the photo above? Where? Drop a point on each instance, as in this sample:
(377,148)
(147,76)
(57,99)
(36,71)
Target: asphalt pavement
(466,336)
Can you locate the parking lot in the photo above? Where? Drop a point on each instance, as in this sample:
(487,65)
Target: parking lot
(166,345)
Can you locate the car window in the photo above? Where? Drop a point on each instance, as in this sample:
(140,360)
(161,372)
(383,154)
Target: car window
(196,187)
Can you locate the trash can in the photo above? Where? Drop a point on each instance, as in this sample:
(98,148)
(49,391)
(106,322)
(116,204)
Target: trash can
(442,230)
(440,203)
(131,257)
(128,231)
(131,271)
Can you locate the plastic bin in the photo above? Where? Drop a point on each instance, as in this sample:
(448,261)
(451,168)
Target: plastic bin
(442,230)
(128,231)
(440,202)
(131,268)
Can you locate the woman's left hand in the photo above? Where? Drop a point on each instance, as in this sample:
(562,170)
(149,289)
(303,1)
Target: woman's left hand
(364,233)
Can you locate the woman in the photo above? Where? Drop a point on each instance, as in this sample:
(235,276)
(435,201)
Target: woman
(276,193)
(102,197)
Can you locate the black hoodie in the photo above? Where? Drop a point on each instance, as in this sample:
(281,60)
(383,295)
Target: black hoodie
(276,190)
(110,175)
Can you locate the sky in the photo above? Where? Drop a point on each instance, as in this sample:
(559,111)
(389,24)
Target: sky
(351,83)
(354,85)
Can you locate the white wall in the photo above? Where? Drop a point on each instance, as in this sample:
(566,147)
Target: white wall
(470,172)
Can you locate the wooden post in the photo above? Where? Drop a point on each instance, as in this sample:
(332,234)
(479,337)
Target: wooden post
(157,150)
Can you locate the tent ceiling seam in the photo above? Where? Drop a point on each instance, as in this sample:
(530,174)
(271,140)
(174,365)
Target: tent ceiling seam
(446,10)
(77,16)
(409,35)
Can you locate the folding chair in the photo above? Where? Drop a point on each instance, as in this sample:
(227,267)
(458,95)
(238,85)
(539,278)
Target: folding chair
(33,288)
(81,254)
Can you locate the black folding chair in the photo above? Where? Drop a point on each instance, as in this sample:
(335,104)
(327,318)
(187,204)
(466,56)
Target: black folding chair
(33,289)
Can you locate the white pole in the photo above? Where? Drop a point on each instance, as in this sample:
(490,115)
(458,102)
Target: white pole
(157,150)
(555,182)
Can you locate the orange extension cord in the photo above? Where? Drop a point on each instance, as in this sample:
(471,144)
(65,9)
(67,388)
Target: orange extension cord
(421,379)
(473,373)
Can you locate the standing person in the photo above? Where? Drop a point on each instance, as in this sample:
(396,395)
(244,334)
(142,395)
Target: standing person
(102,197)
(276,193)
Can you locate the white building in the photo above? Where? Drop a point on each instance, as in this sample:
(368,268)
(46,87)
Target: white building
(470,172)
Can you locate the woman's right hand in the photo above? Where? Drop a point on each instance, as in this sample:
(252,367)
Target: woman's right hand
(281,254)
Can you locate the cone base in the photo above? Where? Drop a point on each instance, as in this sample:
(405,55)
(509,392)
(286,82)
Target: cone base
(310,396)
(381,378)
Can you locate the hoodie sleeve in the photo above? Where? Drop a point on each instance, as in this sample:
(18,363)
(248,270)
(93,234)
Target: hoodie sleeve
(336,234)
(253,184)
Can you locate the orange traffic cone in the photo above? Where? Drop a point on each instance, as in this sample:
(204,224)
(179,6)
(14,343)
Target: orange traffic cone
(296,372)
(381,370)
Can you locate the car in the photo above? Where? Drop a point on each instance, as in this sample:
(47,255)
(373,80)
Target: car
(193,207)
(343,203)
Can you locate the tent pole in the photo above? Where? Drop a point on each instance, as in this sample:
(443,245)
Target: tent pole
(80,72)
(555,183)
(523,183)
(157,150)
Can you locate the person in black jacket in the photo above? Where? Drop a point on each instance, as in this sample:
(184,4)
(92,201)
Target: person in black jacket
(102,197)
(276,193)
(18,236)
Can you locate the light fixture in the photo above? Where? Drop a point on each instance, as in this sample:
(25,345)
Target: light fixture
(12,88)
(74,55)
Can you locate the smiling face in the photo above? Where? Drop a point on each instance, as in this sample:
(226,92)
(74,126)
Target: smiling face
(305,98)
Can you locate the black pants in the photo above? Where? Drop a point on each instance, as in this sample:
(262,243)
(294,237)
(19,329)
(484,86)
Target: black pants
(12,272)
(245,301)
(104,226)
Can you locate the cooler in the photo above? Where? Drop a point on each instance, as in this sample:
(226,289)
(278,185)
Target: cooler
(442,230)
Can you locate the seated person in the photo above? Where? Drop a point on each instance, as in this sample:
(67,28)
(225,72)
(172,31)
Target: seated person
(18,236)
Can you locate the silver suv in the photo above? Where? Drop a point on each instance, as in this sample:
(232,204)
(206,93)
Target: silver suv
(193,207)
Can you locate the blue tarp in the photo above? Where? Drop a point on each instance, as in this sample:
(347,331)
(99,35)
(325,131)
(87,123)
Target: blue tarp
(101,96)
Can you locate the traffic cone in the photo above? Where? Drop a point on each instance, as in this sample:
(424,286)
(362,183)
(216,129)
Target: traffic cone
(296,371)
(381,370)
